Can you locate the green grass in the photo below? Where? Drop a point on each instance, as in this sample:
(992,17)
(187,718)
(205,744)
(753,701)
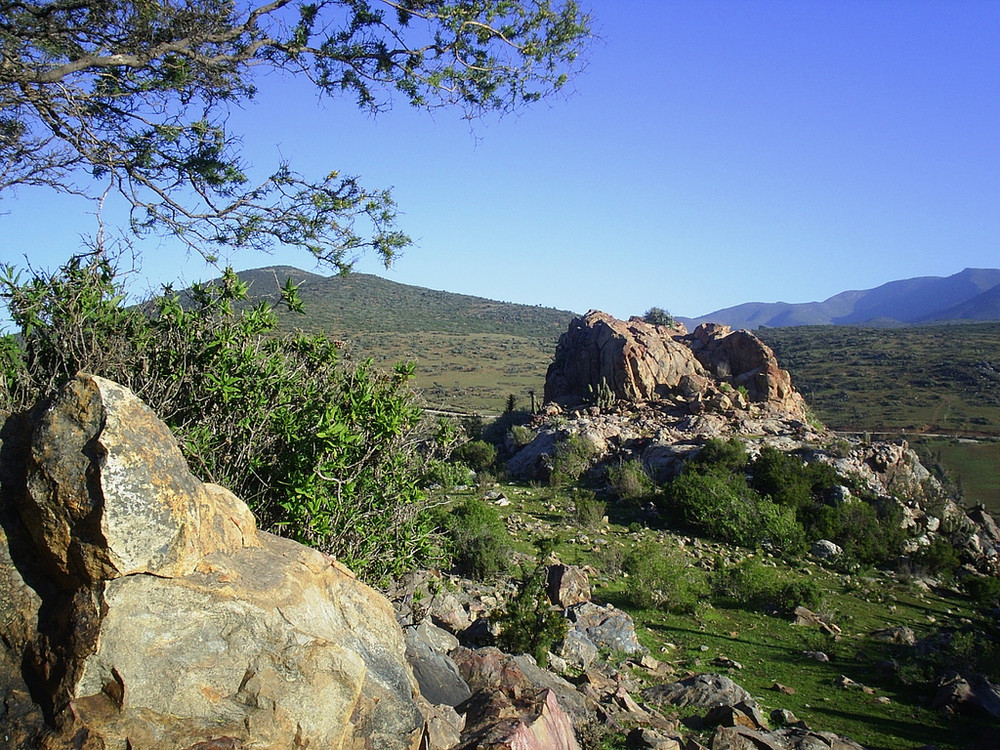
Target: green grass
(975,465)
(771,647)
(920,380)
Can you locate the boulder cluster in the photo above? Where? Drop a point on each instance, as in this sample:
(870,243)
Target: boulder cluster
(711,369)
(142,609)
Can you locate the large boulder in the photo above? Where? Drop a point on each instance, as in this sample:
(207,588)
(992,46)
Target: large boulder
(637,361)
(743,360)
(141,608)
(711,368)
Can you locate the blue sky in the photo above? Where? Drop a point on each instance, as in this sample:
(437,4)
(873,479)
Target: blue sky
(711,153)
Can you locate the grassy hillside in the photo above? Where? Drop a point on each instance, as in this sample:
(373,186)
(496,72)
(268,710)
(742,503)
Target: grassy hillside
(921,382)
(924,379)
(470,352)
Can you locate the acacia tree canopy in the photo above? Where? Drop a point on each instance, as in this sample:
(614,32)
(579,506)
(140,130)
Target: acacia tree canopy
(102,96)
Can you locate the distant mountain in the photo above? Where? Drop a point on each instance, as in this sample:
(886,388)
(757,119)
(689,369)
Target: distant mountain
(360,303)
(972,294)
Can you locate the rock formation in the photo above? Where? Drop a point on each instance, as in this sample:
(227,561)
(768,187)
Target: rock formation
(712,368)
(140,608)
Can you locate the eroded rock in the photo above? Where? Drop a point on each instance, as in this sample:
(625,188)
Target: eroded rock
(143,609)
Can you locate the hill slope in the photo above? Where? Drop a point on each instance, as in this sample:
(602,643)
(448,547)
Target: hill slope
(972,294)
(471,353)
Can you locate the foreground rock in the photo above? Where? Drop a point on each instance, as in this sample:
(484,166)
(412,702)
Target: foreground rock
(141,608)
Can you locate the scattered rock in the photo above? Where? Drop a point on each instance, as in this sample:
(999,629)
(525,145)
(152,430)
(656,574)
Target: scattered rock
(567,585)
(824,549)
(899,634)
(605,626)
(975,695)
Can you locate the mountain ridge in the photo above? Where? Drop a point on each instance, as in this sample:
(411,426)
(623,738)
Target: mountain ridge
(969,295)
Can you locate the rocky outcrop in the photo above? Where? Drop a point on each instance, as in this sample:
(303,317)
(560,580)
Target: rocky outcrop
(601,358)
(140,608)
(636,360)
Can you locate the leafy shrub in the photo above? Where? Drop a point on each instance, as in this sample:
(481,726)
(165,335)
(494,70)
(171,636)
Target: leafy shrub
(447,474)
(630,482)
(722,455)
(753,585)
(663,577)
(476,454)
(529,624)
(867,536)
(589,511)
(479,540)
(570,460)
(658,316)
(320,448)
(983,591)
(521,435)
(726,508)
(790,482)
(938,558)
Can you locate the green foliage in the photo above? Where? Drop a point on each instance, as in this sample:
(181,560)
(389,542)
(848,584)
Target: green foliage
(939,558)
(726,508)
(790,482)
(722,455)
(867,536)
(571,459)
(658,316)
(318,447)
(136,96)
(521,435)
(447,474)
(589,511)
(479,541)
(603,396)
(630,482)
(478,455)
(511,405)
(983,591)
(529,624)
(662,577)
(752,585)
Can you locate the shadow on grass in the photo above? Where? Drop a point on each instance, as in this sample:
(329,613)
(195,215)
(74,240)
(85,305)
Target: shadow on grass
(959,733)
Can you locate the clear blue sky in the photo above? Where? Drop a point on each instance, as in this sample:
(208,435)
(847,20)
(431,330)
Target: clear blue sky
(711,153)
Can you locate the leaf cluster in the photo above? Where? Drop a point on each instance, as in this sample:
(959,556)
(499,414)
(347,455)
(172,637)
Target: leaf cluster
(134,97)
(319,447)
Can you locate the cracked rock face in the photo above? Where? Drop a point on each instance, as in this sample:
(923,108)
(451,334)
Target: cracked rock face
(634,361)
(141,608)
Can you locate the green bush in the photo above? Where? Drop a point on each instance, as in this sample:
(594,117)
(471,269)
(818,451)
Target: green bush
(521,435)
(983,591)
(529,624)
(630,482)
(589,511)
(867,536)
(320,448)
(724,507)
(790,482)
(663,577)
(753,585)
(447,474)
(722,455)
(570,460)
(478,455)
(939,558)
(479,540)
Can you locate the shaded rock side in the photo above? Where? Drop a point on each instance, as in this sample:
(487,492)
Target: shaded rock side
(636,361)
(142,608)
